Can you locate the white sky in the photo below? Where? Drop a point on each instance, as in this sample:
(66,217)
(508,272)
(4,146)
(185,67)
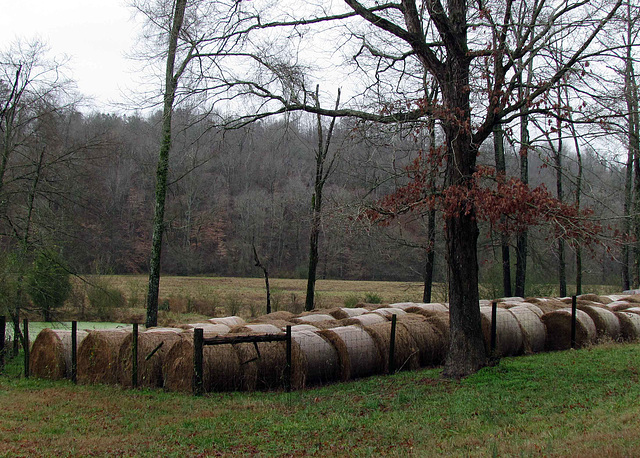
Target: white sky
(95,34)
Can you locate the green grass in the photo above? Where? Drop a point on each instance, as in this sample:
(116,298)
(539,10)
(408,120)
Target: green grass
(574,403)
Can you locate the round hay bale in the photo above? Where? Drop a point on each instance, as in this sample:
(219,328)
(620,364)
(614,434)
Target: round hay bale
(427,309)
(590,297)
(388,312)
(364,320)
(635,298)
(313,318)
(618,306)
(50,355)
(558,325)
(280,324)
(342,313)
(220,367)
(607,325)
(208,328)
(511,299)
(635,310)
(356,349)
(402,305)
(546,304)
(629,325)
(508,333)
(153,345)
(484,303)
(303,327)
(282,315)
(98,356)
(263,328)
(266,367)
(532,307)
(612,297)
(228,320)
(431,343)
(534,333)
(318,362)
(406,350)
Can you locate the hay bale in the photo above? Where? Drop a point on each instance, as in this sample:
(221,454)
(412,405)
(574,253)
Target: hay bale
(318,361)
(509,340)
(607,325)
(546,304)
(258,328)
(280,324)
(341,313)
(153,345)
(618,306)
(228,320)
(635,310)
(357,351)
(558,325)
(402,305)
(98,356)
(50,356)
(388,312)
(303,327)
(629,325)
(484,303)
(220,367)
(431,343)
(427,310)
(283,315)
(208,328)
(313,318)
(635,298)
(590,297)
(364,320)
(406,350)
(533,308)
(612,297)
(534,333)
(265,367)
(511,299)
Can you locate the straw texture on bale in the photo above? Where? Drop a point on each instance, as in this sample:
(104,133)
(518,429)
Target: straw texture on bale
(511,299)
(364,320)
(51,354)
(402,305)
(440,321)
(635,298)
(303,327)
(318,361)
(279,315)
(558,325)
(340,313)
(388,312)
(98,356)
(532,307)
(149,370)
(357,351)
(431,343)
(406,354)
(228,320)
(427,309)
(606,322)
(590,297)
(629,325)
(220,367)
(618,306)
(534,333)
(612,297)
(313,318)
(509,340)
(260,328)
(280,324)
(265,367)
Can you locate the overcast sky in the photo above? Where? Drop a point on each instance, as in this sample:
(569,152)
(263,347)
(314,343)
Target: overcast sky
(95,34)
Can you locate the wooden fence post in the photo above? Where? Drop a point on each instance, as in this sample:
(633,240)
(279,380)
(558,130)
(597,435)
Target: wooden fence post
(494,328)
(3,324)
(198,360)
(25,345)
(134,356)
(392,345)
(574,315)
(74,352)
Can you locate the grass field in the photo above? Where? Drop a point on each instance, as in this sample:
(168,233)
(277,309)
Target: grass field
(576,403)
(186,299)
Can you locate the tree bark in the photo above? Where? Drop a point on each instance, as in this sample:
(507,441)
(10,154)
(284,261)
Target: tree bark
(501,171)
(162,171)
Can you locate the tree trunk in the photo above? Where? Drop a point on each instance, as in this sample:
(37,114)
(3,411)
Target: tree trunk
(171,83)
(501,171)
(430,258)
(562,264)
(313,249)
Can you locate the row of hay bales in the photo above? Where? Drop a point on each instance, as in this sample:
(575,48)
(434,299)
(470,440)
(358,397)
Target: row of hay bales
(328,345)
